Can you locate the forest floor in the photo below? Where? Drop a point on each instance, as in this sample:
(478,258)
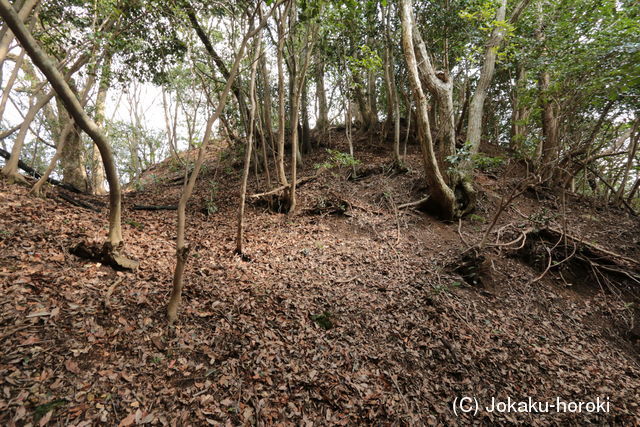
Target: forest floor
(350,312)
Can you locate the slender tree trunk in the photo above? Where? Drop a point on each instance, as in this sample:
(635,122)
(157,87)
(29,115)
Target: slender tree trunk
(474,132)
(72,105)
(170,125)
(520,112)
(295,109)
(282,176)
(263,145)
(406,137)
(466,96)
(550,141)
(10,169)
(266,97)
(135,141)
(549,148)
(7,37)
(633,147)
(392,91)
(182,249)
(396,125)
(298,85)
(349,131)
(348,118)
(12,79)
(249,146)
(372,104)
(36,190)
(306,129)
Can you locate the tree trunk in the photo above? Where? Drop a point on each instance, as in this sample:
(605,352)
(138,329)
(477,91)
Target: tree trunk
(248,149)
(295,110)
(6,90)
(474,131)
(182,249)
(72,156)
(360,113)
(442,197)
(266,97)
(549,148)
(10,169)
(458,176)
(72,105)
(298,84)
(306,129)
(7,37)
(171,124)
(322,125)
(97,172)
(550,141)
(633,147)
(282,176)
(36,190)
(392,91)
(466,96)
(348,131)
(519,110)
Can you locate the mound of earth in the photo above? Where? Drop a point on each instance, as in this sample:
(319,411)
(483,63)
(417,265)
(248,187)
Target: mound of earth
(353,311)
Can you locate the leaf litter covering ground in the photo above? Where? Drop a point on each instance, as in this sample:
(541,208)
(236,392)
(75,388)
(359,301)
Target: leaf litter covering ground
(334,320)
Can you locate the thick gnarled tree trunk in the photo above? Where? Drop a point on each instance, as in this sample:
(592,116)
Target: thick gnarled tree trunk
(72,155)
(457,177)
(442,197)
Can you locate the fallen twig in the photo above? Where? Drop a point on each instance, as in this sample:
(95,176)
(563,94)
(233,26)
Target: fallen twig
(107,297)
(416,203)
(154,207)
(283,187)
(79,203)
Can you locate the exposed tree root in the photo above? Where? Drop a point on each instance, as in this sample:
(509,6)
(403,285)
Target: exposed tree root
(106,254)
(584,264)
(412,204)
(34,173)
(17,179)
(592,250)
(475,268)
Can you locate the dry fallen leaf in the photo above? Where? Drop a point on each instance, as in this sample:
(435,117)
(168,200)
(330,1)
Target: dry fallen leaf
(44,420)
(128,420)
(72,366)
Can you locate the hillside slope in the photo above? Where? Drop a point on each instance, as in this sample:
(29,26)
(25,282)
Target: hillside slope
(351,312)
